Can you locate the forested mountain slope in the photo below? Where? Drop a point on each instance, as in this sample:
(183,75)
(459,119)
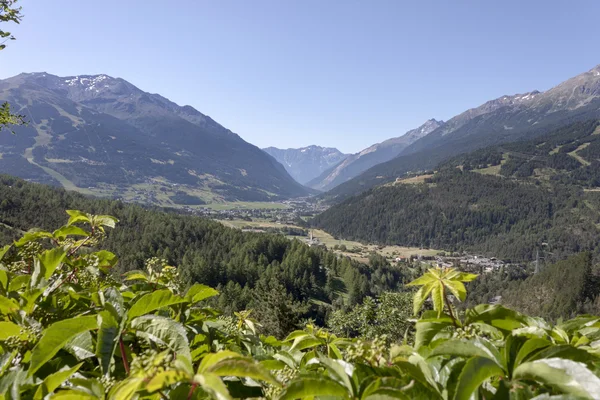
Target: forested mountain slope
(504,201)
(506,119)
(103,135)
(252,270)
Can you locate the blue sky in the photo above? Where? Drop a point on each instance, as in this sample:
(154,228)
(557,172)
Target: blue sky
(293,73)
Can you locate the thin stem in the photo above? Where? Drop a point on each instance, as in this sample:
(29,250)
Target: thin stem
(449,307)
(192,389)
(124,355)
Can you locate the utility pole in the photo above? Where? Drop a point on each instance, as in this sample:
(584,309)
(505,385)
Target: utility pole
(537,261)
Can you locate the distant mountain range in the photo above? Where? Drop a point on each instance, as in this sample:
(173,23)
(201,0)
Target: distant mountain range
(505,119)
(104,136)
(357,163)
(306,163)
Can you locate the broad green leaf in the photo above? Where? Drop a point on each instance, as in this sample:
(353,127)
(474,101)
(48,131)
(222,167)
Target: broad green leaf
(214,358)
(105,220)
(164,379)
(476,371)
(568,376)
(77,216)
(8,329)
(8,306)
(242,368)
(305,342)
(125,390)
(4,250)
(152,302)
(53,381)
(136,275)
(427,329)
(198,292)
(108,334)
(467,349)
(437,296)
(73,395)
(106,258)
(458,289)
(32,236)
(56,336)
(213,385)
(385,388)
(421,296)
(50,260)
(3,279)
(81,346)
(69,230)
(164,332)
(529,347)
(308,388)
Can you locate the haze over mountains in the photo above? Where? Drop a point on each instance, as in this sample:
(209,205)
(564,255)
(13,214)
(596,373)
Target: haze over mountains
(105,136)
(357,163)
(306,163)
(505,119)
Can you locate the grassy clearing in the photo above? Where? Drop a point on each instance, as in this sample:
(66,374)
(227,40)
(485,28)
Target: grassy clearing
(555,150)
(250,205)
(413,180)
(578,157)
(328,240)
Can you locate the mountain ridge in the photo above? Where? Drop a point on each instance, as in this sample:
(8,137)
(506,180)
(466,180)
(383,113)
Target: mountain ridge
(306,163)
(501,120)
(359,162)
(124,142)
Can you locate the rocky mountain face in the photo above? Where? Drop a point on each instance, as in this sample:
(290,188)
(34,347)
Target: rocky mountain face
(505,119)
(357,163)
(306,163)
(103,135)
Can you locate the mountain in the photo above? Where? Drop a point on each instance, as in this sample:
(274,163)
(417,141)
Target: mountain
(104,136)
(357,163)
(501,200)
(505,119)
(306,163)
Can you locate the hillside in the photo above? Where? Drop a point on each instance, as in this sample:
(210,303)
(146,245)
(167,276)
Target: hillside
(356,164)
(503,201)
(104,136)
(505,119)
(306,163)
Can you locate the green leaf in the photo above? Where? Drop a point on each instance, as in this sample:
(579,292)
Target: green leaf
(3,279)
(53,381)
(125,390)
(164,332)
(214,358)
(570,377)
(8,306)
(242,368)
(152,302)
(81,346)
(50,260)
(105,220)
(213,385)
(136,275)
(467,349)
(77,216)
(4,250)
(476,371)
(458,289)
(108,334)
(198,292)
(437,295)
(8,329)
(308,388)
(164,379)
(421,295)
(427,329)
(32,236)
(530,347)
(69,230)
(55,337)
